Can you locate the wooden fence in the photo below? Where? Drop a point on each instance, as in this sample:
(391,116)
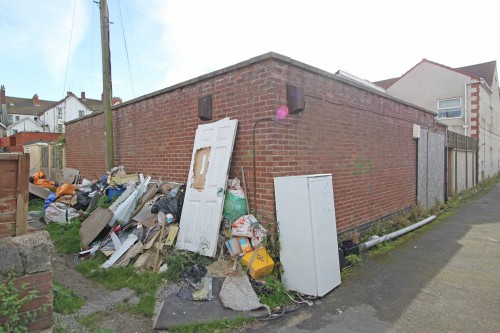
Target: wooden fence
(14,192)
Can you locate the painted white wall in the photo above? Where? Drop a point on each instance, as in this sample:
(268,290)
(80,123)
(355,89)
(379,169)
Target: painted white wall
(428,83)
(26,124)
(70,110)
(489,130)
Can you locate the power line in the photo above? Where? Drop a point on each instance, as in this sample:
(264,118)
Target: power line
(126,49)
(134,48)
(69,48)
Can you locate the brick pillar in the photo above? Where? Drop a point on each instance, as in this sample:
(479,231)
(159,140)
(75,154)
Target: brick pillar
(30,255)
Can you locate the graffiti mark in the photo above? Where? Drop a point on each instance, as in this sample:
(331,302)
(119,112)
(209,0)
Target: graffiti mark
(363,166)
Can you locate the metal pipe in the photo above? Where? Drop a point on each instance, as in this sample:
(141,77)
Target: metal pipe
(366,245)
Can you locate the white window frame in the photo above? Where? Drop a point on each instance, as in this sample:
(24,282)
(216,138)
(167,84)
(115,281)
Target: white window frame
(81,113)
(440,111)
(60,128)
(59,113)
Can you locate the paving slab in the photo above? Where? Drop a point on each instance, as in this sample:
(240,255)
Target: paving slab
(176,311)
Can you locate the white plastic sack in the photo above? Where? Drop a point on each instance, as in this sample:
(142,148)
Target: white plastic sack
(60,213)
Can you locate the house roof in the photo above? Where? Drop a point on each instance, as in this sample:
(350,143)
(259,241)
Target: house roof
(485,71)
(25,106)
(22,120)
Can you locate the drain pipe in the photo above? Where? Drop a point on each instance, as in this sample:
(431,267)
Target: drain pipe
(366,245)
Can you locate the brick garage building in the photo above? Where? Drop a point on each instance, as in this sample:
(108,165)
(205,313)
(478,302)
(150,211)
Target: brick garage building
(360,135)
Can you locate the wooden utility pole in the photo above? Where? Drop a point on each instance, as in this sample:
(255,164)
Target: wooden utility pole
(106,85)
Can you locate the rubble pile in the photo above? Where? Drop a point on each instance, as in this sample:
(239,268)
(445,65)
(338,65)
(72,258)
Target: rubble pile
(140,223)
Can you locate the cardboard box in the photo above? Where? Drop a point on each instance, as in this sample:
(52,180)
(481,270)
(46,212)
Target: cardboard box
(259,261)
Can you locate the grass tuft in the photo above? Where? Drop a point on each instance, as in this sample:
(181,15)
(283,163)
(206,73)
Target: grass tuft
(35,205)
(66,237)
(273,293)
(66,301)
(215,326)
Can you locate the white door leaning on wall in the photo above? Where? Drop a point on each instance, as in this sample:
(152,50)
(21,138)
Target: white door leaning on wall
(204,198)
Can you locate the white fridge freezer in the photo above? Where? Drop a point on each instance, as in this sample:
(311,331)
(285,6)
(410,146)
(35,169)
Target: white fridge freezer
(308,233)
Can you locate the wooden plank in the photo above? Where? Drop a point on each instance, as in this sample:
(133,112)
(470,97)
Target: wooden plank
(146,197)
(94,224)
(22,194)
(71,176)
(171,236)
(39,191)
(7,229)
(125,260)
(9,156)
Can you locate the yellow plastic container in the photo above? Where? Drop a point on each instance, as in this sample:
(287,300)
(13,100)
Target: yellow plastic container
(259,261)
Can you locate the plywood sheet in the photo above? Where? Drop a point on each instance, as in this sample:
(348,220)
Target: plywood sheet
(94,224)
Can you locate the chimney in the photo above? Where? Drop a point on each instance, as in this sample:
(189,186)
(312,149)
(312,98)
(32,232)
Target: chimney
(83,96)
(68,93)
(36,101)
(2,95)
(116,100)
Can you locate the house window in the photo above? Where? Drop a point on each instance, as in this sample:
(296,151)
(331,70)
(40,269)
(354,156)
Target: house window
(449,108)
(11,119)
(17,118)
(36,118)
(60,128)
(81,113)
(59,113)
(14,131)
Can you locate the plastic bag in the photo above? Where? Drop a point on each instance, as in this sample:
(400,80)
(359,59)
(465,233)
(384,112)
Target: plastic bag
(259,235)
(244,226)
(66,189)
(235,204)
(60,213)
(50,199)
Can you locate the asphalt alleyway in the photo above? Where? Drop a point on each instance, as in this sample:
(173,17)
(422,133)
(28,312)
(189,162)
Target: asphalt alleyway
(444,277)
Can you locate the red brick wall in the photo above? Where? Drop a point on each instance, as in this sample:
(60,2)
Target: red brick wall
(41,305)
(367,145)
(15,143)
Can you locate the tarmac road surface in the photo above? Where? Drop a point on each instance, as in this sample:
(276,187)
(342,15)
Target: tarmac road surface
(444,277)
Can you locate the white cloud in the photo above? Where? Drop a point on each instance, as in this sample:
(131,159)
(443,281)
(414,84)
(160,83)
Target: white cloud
(39,31)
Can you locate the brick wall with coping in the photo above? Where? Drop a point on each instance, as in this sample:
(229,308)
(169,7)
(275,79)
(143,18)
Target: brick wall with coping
(29,255)
(362,136)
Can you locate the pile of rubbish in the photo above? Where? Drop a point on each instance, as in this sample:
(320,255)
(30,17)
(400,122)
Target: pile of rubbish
(142,222)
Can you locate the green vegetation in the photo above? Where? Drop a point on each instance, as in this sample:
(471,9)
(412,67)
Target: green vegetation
(352,259)
(144,284)
(273,292)
(66,237)
(178,261)
(91,322)
(35,205)
(12,302)
(66,301)
(215,326)
(104,202)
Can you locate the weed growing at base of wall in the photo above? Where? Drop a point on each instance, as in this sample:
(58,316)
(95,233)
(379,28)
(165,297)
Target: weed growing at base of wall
(12,302)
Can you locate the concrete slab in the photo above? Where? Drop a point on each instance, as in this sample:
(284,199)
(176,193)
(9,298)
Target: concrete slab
(175,311)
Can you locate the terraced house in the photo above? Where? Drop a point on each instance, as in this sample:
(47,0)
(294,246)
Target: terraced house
(467,99)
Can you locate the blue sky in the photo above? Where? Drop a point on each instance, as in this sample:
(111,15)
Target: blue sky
(172,41)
